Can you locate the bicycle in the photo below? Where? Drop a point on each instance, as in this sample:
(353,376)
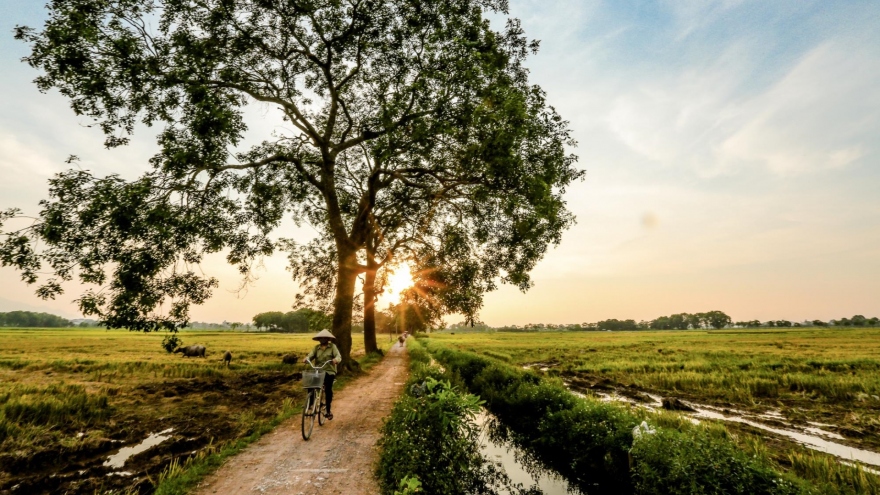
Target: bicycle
(313,381)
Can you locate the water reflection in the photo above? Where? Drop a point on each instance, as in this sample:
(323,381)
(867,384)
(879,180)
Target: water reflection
(514,463)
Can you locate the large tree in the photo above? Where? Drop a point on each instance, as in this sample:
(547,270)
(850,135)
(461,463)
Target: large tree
(427,90)
(465,210)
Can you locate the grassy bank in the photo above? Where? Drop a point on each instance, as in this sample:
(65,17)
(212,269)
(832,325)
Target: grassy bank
(71,397)
(433,425)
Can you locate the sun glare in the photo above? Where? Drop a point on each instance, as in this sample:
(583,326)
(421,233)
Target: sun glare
(400,280)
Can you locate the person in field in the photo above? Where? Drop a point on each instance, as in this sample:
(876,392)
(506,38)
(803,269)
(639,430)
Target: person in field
(323,352)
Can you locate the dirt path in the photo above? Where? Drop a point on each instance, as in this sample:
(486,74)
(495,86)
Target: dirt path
(339,457)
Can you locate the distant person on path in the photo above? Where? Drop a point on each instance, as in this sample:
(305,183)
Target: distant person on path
(323,352)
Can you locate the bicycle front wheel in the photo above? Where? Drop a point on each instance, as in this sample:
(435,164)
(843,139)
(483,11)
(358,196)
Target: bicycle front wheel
(308,415)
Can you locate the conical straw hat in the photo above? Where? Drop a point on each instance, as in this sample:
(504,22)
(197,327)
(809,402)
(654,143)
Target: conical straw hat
(324,334)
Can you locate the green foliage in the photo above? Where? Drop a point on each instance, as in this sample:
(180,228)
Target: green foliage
(409,486)
(433,425)
(434,428)
(30,319)
(171,342)
(671,462)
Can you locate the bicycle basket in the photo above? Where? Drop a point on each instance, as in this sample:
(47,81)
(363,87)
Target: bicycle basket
(313,379)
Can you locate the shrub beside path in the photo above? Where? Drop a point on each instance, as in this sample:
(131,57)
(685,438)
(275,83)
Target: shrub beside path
(339,457)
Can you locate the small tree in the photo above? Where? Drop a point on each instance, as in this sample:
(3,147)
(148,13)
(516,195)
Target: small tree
(171,342)
(718,319)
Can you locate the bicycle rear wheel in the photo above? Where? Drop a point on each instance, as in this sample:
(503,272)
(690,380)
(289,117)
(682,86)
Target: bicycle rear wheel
(321,403)
(308,415)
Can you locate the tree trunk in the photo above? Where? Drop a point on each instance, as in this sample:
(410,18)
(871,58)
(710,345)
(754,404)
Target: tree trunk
(343,304)
(370,306)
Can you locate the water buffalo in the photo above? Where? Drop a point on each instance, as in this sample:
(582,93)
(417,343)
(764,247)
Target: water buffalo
(192,351)
(227,357)
(289,359)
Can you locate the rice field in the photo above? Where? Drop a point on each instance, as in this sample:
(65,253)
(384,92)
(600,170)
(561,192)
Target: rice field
(71,397)
(801,376)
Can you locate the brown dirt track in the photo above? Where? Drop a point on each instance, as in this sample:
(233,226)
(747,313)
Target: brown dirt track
(339,457)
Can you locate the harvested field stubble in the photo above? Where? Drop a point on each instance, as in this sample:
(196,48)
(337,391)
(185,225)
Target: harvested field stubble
(69,398)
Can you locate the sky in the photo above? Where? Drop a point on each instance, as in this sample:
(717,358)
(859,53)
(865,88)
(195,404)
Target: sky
(731,150)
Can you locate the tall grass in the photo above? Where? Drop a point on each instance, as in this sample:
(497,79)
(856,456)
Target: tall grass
(24,408)
(833,477)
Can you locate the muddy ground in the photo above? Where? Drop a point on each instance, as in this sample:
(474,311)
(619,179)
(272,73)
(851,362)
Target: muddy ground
(201,411)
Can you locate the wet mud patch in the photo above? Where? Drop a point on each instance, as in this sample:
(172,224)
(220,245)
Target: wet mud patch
(182,416)
(776,426)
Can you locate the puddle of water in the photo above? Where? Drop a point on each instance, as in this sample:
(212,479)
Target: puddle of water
(773,414)
(823,433)
(540,366)
(505,456)
(811,441)
(118,459)
(615,397)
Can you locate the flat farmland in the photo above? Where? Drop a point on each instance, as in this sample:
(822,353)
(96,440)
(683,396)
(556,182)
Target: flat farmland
(822,382)
(71,398)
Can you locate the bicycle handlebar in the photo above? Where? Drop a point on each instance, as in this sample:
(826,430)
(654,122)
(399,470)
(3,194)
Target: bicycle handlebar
(318,367)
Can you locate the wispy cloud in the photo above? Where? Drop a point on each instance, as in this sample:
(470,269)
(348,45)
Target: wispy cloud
(825,113)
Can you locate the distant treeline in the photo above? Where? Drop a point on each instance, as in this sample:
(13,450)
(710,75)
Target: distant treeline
(681,321)
(31,319)
(299,321)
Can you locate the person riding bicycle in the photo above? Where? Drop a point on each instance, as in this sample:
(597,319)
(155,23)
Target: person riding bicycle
(323,352)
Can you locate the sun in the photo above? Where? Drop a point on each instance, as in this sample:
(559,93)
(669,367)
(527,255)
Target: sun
(400,280)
